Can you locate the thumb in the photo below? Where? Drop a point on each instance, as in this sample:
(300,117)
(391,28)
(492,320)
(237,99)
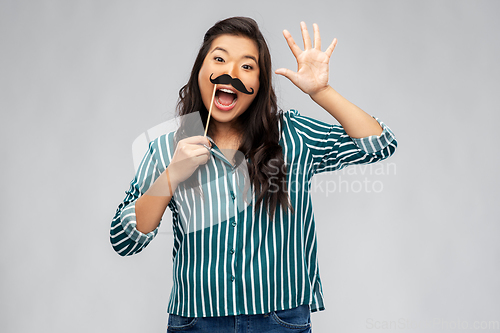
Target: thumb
(290,75)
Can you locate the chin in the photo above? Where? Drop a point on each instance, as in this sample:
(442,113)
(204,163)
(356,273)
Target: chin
(223,116)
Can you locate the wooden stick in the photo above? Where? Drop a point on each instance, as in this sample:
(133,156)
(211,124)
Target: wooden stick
(210,111)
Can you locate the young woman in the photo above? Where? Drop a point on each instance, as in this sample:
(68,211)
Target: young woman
(245,260)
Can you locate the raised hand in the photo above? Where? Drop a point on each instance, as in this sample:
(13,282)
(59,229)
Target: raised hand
(312,64)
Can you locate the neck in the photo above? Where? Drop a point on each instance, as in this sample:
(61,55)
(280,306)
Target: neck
(227,140)
(225,131)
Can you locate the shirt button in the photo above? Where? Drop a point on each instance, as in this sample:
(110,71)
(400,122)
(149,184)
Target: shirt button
(232,278)
(233,224)
(232,195)
(231,251)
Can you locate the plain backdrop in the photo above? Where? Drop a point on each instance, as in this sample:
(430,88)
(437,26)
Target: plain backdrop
(411,241)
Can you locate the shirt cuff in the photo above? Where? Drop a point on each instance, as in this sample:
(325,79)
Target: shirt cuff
(375,143)
(129,224)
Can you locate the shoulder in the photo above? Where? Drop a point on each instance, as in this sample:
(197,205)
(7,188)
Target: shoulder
(288,114)
(162,142)
(307,127)
(295,118)
(286,119)
(289,120)
(162,149)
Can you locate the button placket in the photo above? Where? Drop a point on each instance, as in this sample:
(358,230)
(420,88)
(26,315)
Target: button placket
(230,171)
(234,258)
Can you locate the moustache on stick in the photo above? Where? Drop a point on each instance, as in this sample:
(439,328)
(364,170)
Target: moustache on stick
(225,79)
(235,82)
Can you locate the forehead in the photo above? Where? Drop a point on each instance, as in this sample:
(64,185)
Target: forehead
(237,46)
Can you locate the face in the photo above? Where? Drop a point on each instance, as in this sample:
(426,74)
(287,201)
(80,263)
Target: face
(239,57)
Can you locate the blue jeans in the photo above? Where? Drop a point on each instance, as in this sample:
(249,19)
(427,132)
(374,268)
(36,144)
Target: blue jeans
(296,320)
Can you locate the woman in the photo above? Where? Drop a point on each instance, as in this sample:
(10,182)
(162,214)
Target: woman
(245,259)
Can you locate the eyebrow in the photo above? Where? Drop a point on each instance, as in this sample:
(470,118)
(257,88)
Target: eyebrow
(218,48)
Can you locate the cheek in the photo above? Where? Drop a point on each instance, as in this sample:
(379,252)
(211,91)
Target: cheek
(204,84)
(201,81)
(255,83)
(256,88)
(202,74)
(250,98)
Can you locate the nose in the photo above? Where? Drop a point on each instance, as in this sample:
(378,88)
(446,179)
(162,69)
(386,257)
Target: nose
(232,70)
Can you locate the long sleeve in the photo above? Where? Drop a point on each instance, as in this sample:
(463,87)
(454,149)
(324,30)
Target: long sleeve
(332,149)
(124,236)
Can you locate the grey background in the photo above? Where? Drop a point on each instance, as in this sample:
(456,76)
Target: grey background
(80,80)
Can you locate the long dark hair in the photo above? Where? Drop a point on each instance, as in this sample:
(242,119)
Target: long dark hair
(260,140)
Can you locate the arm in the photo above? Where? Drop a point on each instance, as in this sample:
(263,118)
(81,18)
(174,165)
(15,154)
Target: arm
(150,207)
(312,78)
(138,217)
(331,148)
(356,122)
(124,236)
(188,156)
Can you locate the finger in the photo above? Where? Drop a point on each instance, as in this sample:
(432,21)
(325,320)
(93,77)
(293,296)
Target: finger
(206,159)
(305,36)
(207,147)
(195,156)
(291,44)
(317,38)
(291,75)
(331,48)
(197,139)
(202,156)
(200,152)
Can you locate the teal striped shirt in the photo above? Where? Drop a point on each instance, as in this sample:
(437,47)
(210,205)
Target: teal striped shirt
(229,259)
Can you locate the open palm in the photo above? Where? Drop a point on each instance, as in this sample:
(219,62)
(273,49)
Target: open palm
(312,64)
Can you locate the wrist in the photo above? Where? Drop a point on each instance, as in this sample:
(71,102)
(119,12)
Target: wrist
(321,94)
(173,181)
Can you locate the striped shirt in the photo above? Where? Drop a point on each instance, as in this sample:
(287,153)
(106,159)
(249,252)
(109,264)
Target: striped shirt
(229,259)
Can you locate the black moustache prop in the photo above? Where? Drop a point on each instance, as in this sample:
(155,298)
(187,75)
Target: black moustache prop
(227,79)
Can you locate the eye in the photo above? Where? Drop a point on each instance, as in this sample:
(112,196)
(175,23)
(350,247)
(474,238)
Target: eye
(247,67)
(218,59)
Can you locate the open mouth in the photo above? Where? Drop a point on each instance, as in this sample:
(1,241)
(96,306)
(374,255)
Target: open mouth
(225,99)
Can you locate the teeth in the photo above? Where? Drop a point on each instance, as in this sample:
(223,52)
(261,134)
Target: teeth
(227,91)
